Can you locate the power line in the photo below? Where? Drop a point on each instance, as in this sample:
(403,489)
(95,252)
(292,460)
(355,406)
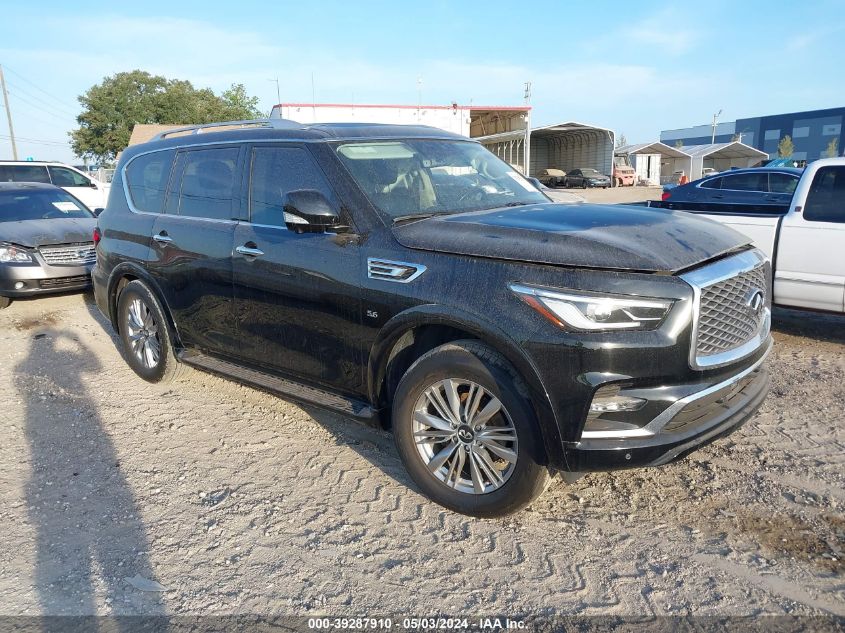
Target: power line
(39,99)
(62,118)
(37,141)
(17,74)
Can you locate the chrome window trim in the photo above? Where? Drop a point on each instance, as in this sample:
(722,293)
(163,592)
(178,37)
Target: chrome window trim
(661,420)
(714,273)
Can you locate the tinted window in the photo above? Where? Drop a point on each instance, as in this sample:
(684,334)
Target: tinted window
(782,183)
(40,204)
(826,200)
(64,177)
(275,172)
(746,182)
(208,183)
(713,183)
(23,173)
(146,177)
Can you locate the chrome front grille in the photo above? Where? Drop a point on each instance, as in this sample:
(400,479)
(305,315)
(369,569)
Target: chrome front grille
(726,319)
(69,254)
(732,311)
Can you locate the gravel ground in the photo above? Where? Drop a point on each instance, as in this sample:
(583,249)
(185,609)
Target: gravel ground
(226,500)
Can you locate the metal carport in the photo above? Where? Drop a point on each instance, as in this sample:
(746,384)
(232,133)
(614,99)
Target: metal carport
(655,162)
(721,157)
(566,146)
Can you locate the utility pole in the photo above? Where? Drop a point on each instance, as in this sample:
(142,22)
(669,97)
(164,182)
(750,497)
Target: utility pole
(715,118)
(526,169)
(8,113)
(278,92)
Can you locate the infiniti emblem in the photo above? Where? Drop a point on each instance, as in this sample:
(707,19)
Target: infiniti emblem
(465,434)
(754,300)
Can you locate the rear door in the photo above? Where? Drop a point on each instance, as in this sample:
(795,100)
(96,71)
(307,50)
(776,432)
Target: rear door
(79,185)
(24,173)
(781,189)
(297,295)
(810,265)
(191,246)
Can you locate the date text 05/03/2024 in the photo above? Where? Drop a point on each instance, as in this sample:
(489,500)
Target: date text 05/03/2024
(411,623)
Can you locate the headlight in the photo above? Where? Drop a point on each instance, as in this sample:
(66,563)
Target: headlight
(14,255)
(593,312)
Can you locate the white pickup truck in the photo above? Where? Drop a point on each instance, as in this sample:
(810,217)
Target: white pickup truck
(807,244)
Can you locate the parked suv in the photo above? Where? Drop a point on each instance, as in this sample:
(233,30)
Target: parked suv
(91,191)
(406,276)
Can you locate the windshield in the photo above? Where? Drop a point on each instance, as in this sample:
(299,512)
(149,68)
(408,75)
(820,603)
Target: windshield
(40,204)
(592,173)
(411,177)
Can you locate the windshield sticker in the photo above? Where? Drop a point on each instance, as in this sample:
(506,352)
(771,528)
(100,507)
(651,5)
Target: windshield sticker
(524,183)
(66,207)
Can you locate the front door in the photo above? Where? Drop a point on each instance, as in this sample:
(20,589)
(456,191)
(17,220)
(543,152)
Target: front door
(79,185)
(810,266)
(297,294)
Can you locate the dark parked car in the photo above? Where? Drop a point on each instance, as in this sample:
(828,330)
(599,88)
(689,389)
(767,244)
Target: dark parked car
(755,190)
(45,241)
(585,177)
(406,276)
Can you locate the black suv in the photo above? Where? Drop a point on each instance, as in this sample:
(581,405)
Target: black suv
(406,276)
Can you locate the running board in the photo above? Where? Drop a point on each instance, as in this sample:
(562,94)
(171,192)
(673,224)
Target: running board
(288,389)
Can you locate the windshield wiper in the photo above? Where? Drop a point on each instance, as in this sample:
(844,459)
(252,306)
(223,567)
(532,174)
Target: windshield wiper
(413,216)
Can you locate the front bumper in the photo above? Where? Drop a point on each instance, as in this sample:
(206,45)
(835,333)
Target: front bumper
(691,421)
(19,280)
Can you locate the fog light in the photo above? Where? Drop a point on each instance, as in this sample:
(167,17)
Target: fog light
(608,400)
(19,285)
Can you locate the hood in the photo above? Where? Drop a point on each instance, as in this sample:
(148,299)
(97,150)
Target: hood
(617,237)
(35,233)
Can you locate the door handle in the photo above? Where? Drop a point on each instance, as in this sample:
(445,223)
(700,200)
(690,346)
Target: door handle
(248,251)
(163,238)
(718,197)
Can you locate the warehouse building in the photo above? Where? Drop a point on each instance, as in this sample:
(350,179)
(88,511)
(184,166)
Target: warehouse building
(504,130)
(815,133)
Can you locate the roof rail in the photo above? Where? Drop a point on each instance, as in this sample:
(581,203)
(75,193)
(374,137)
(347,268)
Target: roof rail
(209,127)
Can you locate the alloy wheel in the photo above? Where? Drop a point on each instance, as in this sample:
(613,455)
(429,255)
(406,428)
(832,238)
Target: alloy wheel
(142,333)
(465,436)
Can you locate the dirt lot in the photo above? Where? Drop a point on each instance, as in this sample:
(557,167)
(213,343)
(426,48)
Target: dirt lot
(238,502)
(617,195)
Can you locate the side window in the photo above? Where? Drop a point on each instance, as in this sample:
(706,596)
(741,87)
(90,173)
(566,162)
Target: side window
(826,199)
(24,173)
(713,183)
(64,177)
(146,177)
(208,183)
(746,182)
(782,183)
(275,172)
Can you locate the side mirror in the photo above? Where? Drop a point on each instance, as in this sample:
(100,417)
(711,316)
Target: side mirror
(92,184)
(97,211)
(309,210)
(536,182)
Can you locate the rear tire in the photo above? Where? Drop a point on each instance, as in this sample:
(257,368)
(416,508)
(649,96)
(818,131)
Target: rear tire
(482,453)
(5,302)
(145,333)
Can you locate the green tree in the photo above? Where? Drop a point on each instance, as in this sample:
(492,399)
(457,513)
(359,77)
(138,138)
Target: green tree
(786,148)
(113,107)
(833,148)
(679,144)
(621,140)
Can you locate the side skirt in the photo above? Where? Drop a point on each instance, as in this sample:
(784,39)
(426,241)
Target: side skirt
(287,389)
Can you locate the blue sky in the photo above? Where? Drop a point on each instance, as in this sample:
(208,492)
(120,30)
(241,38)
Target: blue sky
(636,67)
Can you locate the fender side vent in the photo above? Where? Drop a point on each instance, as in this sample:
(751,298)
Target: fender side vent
(388,270)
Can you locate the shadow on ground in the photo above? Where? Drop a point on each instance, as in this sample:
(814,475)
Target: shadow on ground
(90,536)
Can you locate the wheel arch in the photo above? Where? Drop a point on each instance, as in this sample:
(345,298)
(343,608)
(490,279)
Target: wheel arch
(412,333)
(124,273)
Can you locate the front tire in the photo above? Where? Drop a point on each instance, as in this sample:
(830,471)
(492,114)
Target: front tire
(145,334)
(5,302)
(467,433)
